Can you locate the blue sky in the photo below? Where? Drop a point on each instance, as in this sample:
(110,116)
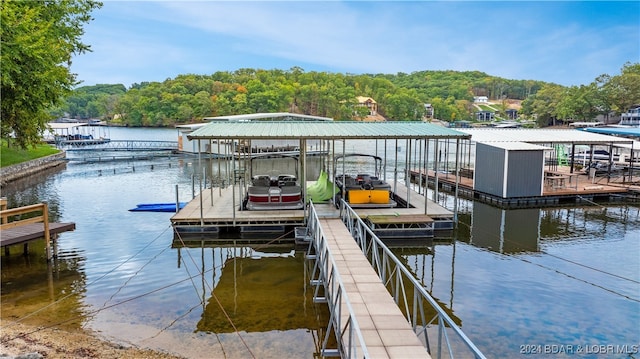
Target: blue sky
(569,43)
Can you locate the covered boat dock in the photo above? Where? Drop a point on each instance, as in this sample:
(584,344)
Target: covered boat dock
(538,167)
(214,214)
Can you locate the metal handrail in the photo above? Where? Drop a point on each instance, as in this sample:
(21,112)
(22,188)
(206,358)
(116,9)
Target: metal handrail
(398,281)
(120,145)
(346,328)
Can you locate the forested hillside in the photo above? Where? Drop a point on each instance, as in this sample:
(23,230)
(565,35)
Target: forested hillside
(400,97)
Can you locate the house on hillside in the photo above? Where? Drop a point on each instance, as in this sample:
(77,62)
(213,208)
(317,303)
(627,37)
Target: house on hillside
(480,99)
(512,114)
(631,117)
(428,111)
(369,103)
(485,115)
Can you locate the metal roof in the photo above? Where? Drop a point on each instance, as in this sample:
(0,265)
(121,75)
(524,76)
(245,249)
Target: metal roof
(323,130)
(616,131)
(541,136)
(517,146)
(65,125)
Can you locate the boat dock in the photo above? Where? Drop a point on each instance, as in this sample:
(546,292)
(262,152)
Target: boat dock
(210,215)
(22,231)
(560,187)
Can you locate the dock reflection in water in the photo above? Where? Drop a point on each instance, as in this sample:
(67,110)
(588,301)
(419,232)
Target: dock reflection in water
(505,231)
(261,294)
(253,294)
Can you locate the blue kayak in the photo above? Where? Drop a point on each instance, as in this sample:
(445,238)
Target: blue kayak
(157,207)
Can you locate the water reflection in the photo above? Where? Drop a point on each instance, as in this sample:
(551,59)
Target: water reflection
(34,189)
(505,231)
(421,262)
(259,295)
(537,276)
(254,291)
(52,293)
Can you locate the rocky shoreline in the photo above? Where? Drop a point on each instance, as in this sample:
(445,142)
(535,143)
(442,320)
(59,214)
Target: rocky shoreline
(25,169)
(22,341)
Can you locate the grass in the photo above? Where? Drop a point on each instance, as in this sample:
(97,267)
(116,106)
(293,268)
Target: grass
(487,108)
(12,155)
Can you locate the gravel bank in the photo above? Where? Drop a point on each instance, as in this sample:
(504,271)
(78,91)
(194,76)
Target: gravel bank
(18,340)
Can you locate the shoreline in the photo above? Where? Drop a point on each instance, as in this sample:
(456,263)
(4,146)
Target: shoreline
(17,171)
(30,341)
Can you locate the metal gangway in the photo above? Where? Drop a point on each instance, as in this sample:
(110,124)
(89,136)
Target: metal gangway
(434,328)
(118,145)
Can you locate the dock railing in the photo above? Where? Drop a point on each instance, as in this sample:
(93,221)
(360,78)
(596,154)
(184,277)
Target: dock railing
(425,315)
(119,145)
(7,219)
(342,321)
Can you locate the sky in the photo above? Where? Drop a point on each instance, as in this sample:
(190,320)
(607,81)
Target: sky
(568,43)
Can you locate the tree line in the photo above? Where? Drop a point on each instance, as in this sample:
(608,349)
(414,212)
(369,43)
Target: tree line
(606,95)
(188,98)
(401,97)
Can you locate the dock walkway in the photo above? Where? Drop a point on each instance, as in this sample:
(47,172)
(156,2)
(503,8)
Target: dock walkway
(385,331)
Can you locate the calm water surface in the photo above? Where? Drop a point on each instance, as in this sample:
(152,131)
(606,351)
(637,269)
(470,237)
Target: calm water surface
(533,279)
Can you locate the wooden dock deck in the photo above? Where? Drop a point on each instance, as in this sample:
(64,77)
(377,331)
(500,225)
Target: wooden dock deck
(29,232)
(560,187)
(22,231)
(385,330)
(216,213)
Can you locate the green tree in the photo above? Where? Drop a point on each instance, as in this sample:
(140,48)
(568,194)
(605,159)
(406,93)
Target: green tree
(35,74)
(622,91)
(544,104)
(581,103)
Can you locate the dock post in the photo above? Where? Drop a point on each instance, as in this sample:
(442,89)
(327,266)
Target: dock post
(177,200)
(436,154)
(47,234)
(3,207)
(455,202)
(201,204)
(193,186)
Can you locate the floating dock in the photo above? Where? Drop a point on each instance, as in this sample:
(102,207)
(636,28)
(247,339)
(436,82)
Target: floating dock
(561,187)
(211,216)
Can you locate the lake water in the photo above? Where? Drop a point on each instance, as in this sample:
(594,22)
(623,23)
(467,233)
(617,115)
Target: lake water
(519,281)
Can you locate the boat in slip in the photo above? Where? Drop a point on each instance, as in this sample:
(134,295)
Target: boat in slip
(364,190)
(273,192)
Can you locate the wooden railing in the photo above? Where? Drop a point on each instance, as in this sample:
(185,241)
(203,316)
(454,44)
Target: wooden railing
(8,221)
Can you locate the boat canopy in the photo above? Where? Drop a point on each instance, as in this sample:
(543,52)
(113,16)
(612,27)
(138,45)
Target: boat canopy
(337,130)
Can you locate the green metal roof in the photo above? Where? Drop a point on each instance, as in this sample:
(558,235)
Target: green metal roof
(323,130)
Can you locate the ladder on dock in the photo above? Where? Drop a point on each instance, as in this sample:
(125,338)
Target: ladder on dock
(561,155)
(377,307)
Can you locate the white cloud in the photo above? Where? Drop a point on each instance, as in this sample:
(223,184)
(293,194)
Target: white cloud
(150,41)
